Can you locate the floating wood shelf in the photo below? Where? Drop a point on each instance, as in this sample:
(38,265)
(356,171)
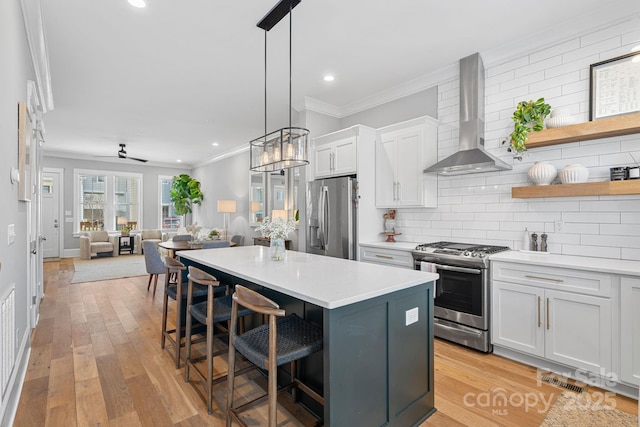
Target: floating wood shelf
(604,128)
(604,188)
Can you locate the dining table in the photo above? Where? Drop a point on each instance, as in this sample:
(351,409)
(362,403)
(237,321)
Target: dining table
(182,245)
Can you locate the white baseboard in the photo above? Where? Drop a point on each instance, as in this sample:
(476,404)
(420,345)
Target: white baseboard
(14,390)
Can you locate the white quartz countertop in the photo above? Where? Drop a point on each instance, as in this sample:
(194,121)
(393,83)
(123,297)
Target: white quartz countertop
(605,265)
(321,280)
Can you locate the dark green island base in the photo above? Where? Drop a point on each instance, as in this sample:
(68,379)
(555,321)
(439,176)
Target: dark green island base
(374,370)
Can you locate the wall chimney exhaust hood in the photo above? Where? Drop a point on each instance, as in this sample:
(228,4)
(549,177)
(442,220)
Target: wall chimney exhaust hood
(471,156)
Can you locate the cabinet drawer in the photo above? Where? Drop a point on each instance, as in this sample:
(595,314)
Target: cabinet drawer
(585,282)
(396,258)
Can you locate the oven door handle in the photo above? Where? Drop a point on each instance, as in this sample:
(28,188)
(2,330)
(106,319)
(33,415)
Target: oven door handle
(458,269)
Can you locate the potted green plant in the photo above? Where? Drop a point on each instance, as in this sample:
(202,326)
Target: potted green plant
(185,193)
(124,231)
(527,116)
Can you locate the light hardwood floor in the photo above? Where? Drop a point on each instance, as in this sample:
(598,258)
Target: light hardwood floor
(96,360)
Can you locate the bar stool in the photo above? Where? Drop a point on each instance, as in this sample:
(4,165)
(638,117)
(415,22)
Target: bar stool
(172,288)
(268,346)
(209,313)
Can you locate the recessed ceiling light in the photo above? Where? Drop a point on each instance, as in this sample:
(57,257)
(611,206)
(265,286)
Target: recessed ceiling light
(138,3)
(215,144)
(179,161)
(329,78)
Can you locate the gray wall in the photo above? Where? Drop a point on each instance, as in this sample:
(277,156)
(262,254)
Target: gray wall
(423,103)
(16,70)
(150,191)
(227,179)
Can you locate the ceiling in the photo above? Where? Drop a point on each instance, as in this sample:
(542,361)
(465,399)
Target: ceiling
(173,78)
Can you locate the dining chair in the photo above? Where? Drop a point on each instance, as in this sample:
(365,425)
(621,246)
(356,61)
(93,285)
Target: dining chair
(210,312)
(216,244)
(284,339)
(238,239)
(153,263)
(175,268)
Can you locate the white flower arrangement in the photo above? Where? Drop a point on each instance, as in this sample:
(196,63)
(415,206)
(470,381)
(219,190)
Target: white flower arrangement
(279,228)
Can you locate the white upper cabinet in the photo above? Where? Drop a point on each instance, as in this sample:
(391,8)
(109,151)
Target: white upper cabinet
(334,158)
(403,151)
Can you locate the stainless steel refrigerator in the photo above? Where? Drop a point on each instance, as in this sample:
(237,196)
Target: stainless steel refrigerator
(331,217)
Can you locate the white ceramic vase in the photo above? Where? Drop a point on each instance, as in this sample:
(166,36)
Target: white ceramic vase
(542,173)
(573,174)
(560,117)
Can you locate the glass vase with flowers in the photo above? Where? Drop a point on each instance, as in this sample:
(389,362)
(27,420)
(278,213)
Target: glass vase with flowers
(276,230)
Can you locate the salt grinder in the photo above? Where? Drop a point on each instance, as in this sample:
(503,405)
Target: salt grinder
(534,242)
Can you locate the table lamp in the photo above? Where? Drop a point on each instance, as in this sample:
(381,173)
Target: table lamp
(122,222)
(226,207)
(278,213)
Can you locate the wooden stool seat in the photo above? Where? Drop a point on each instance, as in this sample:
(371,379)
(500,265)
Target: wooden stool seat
(285,339)
(210,312)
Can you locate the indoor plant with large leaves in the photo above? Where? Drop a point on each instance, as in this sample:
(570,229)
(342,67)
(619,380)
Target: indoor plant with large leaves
(527,116)
(185,193)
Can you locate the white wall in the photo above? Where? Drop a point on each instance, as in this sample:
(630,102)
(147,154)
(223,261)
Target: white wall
(227,179)
(479,207)
(16,70)
(150,191)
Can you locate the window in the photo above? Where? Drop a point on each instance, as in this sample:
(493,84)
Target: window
(169,220)
(107,200)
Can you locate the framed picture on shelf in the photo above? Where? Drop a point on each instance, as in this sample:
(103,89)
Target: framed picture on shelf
(615,86)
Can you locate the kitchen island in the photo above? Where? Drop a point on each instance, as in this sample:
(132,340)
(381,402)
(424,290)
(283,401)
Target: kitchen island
(376,367)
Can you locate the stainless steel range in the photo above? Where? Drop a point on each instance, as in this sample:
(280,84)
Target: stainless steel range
(461,306)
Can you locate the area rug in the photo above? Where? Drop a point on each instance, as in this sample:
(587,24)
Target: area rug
(106,268)
(582,410)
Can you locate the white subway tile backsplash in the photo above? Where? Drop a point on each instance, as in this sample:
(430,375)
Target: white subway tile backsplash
(609,240)
(479,208)
(620,229)
(591,217)
(551,51)
(592,251)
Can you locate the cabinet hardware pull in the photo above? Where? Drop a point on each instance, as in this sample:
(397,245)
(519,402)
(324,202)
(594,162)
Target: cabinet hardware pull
(539,318)
(548,322)
(544,278)
(384,256)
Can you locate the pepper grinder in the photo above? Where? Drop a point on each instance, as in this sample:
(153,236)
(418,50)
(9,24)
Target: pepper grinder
(534,242)
(543,242)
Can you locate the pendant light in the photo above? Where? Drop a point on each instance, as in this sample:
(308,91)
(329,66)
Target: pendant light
(287,147)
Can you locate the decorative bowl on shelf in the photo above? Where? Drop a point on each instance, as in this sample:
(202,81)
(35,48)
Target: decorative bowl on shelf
(573,174)
(542,173)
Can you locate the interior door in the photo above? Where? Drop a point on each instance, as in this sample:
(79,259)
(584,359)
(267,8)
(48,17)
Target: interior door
(51,194)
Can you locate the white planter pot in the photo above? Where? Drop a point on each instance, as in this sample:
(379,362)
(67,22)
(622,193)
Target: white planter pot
(542,173)
(574,174)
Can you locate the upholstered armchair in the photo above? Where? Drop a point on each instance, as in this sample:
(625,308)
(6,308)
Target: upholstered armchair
(94,242)
(154,236)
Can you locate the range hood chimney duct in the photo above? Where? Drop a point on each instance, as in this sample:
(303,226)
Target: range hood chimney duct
(471,156)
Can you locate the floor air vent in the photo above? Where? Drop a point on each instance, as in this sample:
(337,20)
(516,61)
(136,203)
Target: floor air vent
(559,383)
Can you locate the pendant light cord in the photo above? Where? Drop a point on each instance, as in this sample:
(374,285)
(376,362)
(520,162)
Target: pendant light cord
(290,32)
(265,82)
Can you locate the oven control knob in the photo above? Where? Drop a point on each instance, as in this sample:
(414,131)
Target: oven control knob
(482,255)
(474,254)
(466,253)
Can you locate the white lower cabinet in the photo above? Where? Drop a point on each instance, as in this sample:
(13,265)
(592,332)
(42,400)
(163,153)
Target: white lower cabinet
(392,257)
(544,311)
(630,329)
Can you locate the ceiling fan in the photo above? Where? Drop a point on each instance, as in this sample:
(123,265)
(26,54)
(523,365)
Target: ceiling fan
(122,154)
